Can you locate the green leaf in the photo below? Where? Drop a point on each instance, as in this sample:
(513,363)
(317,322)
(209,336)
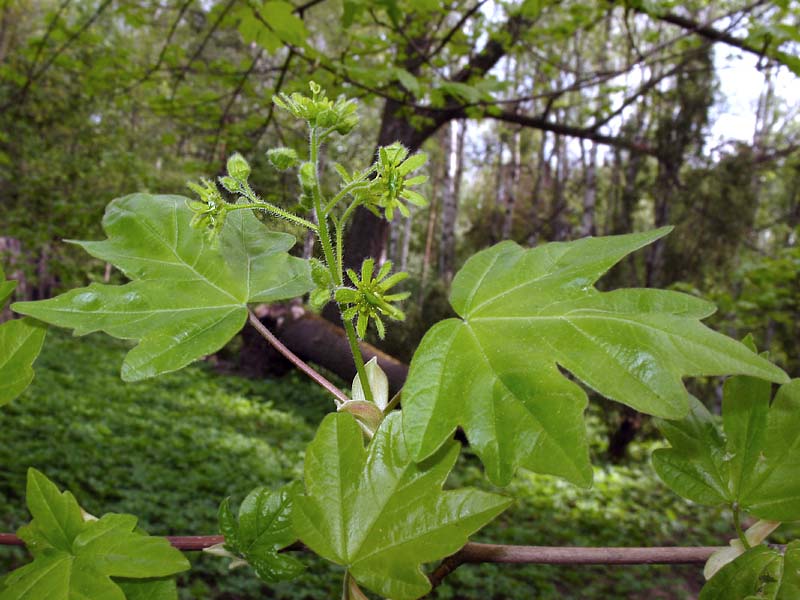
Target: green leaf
(379,513)
(20,343)
(697,466)
(525,313)
(76,559)
(57,518)
(188,296)
(760,573)
(744,576)
(284,23)
(754,464)
(263,528)
(149,589)
(407,80)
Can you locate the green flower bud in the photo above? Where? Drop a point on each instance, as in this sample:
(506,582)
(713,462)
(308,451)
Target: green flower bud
(230,184)
(318,299)
(346,125)
(308,177)
(238,168)
(283,158)
(327,118)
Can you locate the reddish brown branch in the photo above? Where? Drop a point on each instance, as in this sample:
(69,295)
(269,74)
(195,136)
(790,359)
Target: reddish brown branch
(474,553)
(339,396)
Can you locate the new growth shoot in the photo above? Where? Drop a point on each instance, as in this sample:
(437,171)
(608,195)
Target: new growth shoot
(384,188)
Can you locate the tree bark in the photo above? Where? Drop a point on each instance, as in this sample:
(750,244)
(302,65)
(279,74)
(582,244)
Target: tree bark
(588,225)
(452,189)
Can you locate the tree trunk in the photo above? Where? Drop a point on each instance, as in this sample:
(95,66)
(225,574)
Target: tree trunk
(407,232)
(367,235)
(512,187)
(559,227)
(541,168)
(452,188)
(588,226)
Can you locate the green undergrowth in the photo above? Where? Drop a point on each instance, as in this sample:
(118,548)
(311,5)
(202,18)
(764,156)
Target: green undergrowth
(169,450)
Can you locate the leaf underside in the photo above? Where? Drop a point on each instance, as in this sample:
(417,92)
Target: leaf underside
(761,573)
(188,297)
(20,343)
(379,513)
(755,464)
(527,313)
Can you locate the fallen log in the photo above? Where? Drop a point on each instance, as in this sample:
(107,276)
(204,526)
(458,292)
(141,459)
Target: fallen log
(314,339)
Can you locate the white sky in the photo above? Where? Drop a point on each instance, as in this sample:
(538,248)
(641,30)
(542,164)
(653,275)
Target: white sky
(734,114)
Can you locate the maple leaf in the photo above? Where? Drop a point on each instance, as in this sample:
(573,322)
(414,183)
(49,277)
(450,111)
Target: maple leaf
(188,296)
(20,343)
(525,313)
(75,559)
(379,513)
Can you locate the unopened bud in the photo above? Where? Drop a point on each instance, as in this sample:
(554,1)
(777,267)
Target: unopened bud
(238,168)
(282,158)
(327,118)
(308,177)
(230,184)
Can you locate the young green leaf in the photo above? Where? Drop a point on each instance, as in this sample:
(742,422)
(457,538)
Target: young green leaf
(759,574)
(76,559)
(20,343)
(163,588)
(262,529)
(379,513)
(756,464)
(525,313)
(188,297)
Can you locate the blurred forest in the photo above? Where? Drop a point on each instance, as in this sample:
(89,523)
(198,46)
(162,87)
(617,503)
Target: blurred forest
(544,120)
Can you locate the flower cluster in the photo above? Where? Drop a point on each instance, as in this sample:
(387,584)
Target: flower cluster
(370,298)
(319,111)
(392,185)
(209,211)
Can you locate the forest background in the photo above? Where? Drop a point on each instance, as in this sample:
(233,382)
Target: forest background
(544,120)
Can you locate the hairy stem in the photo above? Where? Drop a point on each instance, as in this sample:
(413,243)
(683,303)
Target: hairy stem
(324,235)
(259,204)
(352,338)
(332,261)
(339,397)
(348,189)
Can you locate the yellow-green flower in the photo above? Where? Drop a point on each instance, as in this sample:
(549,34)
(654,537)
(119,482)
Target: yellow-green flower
(391,188)
(319,111)
(370,298)
(210,210)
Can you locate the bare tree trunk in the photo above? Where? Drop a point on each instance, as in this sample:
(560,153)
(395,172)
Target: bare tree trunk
(452,188)
(395,231)
(407,231)
(495,226)
(512,187)
(541,166)
(588,225)
(559,228)
(433,213)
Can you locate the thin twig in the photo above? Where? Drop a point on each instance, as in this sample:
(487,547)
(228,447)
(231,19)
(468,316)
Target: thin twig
(338,395)
(474,553)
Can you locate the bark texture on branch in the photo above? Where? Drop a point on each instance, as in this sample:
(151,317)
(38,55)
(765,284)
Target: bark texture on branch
(474,553)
